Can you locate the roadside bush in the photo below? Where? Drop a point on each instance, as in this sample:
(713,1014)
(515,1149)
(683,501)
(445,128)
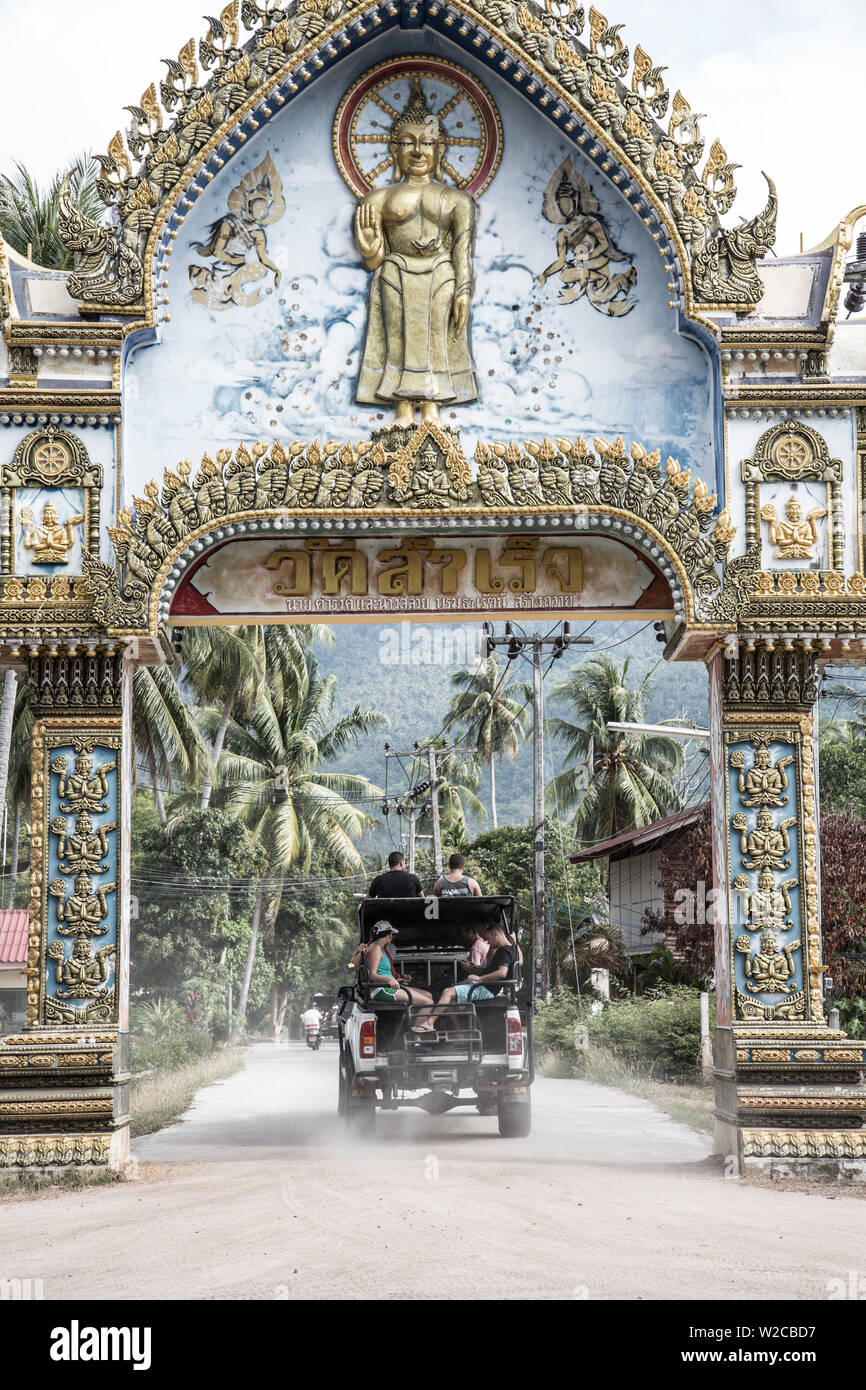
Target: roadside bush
(554,1032)
(659,1032)
(163,1038)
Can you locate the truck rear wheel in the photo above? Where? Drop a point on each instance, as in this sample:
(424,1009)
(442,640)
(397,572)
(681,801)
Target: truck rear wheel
(361,1118)
(358,1111)
(344,1084)
(515,1118)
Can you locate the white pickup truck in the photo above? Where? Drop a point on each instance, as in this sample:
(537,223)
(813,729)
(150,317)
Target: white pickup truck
(480,1052)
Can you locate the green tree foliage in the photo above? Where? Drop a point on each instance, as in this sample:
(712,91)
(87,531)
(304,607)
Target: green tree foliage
(612,781)
(30,215)
(843,778)
(165,733)
(659,1032)
(193,892)
(274,762)
(489,709)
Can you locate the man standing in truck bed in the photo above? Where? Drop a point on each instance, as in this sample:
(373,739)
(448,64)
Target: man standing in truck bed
(456,883)
(395,882)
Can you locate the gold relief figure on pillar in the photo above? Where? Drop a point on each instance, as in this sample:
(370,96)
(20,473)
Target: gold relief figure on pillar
(769,970)
(82,975)
(85,849)
(83,912)
(416,236)
(85,789)
(767,906)
(765,783)
(51,539)
(795,538)
(767,844)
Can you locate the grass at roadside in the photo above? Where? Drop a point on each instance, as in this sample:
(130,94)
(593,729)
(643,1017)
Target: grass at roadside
(689,1103)
(160,1099)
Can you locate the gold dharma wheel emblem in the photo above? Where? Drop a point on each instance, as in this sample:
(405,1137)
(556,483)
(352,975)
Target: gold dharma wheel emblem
(468,121)
(51,460)
(792,453)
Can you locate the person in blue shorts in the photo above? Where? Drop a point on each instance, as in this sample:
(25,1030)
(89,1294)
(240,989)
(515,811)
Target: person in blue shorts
(501,960)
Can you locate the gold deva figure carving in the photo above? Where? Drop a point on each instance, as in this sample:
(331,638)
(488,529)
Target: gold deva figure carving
(85,788)
(765,782)
(765,909)
(416,236)
(83,974)
(83,911)
(794,539)
(51,539)
(770,969)
(767,843)
(85,850)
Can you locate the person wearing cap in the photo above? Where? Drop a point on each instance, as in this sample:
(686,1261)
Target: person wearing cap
(384,983)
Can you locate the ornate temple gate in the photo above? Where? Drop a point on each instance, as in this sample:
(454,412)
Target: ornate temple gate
(749,551)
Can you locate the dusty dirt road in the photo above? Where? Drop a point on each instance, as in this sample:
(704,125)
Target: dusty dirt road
(256,1195)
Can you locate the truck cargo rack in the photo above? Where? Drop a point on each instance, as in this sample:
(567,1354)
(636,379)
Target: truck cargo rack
(459,1037)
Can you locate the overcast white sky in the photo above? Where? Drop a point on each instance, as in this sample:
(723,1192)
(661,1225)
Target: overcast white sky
(780,80)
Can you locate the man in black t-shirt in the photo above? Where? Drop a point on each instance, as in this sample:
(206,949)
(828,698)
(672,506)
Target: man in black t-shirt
(501,960)
(395,882)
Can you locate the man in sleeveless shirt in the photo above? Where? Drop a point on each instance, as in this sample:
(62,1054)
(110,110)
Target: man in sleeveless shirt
(456,883)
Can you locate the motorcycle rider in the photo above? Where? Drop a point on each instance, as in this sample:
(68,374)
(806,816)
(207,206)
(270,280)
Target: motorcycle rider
(311,1020)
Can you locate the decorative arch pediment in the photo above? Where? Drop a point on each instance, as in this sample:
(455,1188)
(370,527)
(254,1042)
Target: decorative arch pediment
(410,485)
(576,71)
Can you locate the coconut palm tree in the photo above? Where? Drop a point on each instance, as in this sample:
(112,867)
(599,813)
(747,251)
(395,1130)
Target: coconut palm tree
(30,215)
(490,709)
(273,761)
(227,666)
(165,733)
(612,781)
(840,733)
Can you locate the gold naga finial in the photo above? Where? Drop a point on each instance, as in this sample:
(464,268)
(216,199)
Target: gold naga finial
(186,58)
(117,150)
(229,21)
(151,107)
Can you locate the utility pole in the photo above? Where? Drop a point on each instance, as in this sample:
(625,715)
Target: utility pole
(431,786)
(434,812)
(516,644)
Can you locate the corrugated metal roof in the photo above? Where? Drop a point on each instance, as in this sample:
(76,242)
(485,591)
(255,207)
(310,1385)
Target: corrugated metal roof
(14,929)
(631,840)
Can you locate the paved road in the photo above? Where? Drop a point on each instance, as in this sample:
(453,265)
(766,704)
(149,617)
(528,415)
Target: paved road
(257,1195)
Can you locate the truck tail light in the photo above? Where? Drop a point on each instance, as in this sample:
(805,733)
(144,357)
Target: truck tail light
(515,1037)
(368,1038)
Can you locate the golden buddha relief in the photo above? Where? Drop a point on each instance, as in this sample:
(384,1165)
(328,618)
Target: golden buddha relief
(415,234)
